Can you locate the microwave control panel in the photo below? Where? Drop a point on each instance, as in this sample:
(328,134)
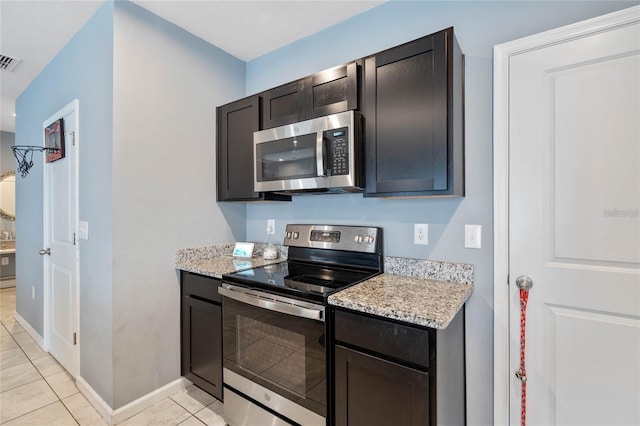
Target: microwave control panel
(338,151)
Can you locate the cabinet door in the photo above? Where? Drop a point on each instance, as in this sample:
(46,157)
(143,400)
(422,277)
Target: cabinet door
(332,91)
(283,104)
(236,123)
(407,101)
(202,344)
(370,391)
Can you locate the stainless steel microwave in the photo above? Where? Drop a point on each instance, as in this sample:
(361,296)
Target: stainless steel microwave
(318,155)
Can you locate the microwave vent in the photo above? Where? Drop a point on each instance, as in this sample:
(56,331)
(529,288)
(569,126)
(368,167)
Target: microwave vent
(8,63)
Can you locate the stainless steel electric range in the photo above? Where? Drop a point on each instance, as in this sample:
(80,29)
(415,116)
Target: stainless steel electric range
(274,324)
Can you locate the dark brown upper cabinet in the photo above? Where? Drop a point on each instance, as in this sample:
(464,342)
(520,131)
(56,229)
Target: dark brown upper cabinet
(332,91)
(413,109)
(327,92)
(236,123)
(283,104)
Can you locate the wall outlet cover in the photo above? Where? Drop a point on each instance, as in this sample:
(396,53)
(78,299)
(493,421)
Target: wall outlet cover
(421,233)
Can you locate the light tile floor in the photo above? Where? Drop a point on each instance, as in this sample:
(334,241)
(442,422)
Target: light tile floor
(36,390)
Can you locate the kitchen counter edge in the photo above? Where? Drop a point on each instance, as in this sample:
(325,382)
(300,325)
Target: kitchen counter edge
(217,260)
(420,292)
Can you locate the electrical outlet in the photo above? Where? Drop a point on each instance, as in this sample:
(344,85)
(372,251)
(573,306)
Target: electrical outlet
(271,226)
(473,236)
(420,233)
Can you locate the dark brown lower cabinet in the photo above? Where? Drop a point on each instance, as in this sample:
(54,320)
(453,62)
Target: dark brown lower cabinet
(201,329)
(387,372)
(373,391)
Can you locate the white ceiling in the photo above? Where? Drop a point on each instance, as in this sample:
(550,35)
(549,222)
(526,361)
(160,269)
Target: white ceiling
(35,31)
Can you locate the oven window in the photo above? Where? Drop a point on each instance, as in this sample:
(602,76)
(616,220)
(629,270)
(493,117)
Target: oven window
(283,353)
(289,158)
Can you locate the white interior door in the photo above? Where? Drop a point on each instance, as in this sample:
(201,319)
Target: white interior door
(62,264)
(574,226)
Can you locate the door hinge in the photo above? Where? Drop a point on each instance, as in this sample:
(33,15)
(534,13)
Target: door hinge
(75,338)
(74,238)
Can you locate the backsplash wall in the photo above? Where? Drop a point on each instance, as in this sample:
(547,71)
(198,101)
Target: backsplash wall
(478,25)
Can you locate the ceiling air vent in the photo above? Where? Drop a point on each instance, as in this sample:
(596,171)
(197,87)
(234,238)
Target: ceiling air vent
(8,63)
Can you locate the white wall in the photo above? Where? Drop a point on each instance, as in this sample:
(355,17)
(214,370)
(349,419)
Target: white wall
(7,161)
(7,164)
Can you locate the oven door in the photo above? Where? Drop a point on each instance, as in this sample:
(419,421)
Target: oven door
(274,354)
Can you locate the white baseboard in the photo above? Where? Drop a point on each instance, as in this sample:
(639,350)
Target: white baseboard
(30,330)
(95,400)
(112,416)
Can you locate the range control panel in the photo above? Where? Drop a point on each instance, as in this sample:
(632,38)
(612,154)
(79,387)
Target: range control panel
(335,237)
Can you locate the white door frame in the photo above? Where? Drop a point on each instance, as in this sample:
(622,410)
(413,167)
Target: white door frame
(70,108)
(501,58)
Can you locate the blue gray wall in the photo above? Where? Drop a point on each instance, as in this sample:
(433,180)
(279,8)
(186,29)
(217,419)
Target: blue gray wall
(147,187)
(166,86)
(83,70)
(478,26)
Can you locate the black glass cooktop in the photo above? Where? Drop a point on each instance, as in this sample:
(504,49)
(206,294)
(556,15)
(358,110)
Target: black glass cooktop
(299,279)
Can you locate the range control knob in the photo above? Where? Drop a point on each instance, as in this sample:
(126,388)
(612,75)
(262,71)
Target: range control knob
(296,235)
(358,239)
(288,235)
(368,239)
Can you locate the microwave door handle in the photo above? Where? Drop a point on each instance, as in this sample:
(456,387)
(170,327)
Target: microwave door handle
(272,305)
(321,154)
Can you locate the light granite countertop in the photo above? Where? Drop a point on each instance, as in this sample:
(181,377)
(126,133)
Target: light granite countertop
(414,300)
(222,265)
(417,291)
(422,292)
(216,260)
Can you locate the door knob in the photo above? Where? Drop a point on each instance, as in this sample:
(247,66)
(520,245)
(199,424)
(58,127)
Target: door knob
(43,252)
(524,282)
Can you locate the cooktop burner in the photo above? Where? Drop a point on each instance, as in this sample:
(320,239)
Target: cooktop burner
(302,278)
(321,260)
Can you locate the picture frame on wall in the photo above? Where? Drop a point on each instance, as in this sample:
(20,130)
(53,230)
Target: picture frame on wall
(54,140)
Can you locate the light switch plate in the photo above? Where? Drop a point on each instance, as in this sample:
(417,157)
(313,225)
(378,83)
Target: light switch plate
(473,236)
(83,230)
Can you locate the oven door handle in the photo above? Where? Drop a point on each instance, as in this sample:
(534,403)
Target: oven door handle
(266,301)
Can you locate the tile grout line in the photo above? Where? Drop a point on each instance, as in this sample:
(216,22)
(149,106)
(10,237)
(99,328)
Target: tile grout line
(188,411)
(43,378)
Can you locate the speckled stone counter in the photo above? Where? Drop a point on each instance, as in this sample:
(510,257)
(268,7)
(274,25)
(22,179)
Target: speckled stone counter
(216,260)
(421,292)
